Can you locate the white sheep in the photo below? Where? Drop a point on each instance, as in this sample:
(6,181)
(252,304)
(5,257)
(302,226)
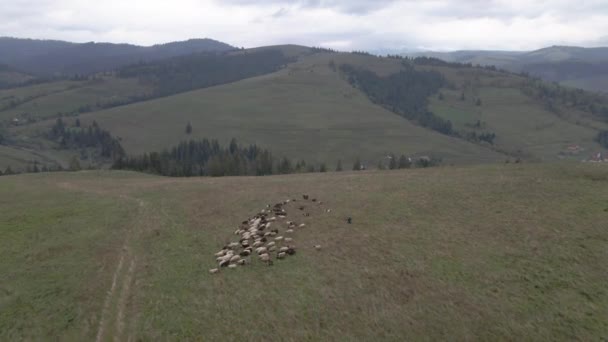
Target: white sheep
(232,266)
(302,225)
(257,243)
(214,270)
(288,239)
(318,247)
(264,257)
(270,244)
(283,249)
(278,238)
(289,231)
(235,258)
(261,250)
(242,262)
(281,255)
(272,248)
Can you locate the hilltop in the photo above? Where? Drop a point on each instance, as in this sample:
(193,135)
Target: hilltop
(311,104)
(53,57)
(585,68)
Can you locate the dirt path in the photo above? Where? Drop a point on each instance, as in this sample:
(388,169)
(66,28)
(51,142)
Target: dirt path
(116,323)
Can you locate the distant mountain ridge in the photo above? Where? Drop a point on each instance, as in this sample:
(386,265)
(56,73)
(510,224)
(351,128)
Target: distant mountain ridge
(585,68)
(54,57)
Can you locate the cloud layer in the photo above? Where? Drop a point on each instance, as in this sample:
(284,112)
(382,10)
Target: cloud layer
(340,24)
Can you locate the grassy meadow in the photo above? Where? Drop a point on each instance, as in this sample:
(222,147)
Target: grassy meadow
(498,252)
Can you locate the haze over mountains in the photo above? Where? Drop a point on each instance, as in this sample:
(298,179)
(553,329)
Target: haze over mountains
(53,57)
(585,68)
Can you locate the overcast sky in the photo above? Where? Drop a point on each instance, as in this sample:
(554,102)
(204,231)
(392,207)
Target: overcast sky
(339,24)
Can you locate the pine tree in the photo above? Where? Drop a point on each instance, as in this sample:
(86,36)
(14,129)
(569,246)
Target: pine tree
(392,163)
(339,166)
(404,162)
(75,164)
(189,128)
(322,167)
(357,165)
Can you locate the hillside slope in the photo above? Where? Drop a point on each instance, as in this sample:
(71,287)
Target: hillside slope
(309,110)
(485,253)
(585,68)
(50,57)
(306,111)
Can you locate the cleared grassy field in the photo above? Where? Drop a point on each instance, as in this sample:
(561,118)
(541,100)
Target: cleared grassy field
(305,111)
(519,122)
(66,97)
(505,252)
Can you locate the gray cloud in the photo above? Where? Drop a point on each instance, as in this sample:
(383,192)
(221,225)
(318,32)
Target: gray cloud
(340,24)
(348,6)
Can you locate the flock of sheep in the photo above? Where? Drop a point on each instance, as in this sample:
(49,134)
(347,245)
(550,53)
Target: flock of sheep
(266,235)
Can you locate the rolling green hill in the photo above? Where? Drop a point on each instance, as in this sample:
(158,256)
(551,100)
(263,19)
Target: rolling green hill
(308,110)
(585,68)
(502,252)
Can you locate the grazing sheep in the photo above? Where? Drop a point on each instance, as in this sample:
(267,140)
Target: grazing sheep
(291,250)
(289,231)
(288,239)
(281,255)
(278,238)
(233,266)
(272,248)
(261,250)
(272,219)
(224,263)
(270,244)
(267,234)
(214,270)
(302,225)
(220,253)
(329,210)
(245,253)
(233,245)
(242,262)
(235,258)
(283,249)
(273,234)
(257,244)
(238,232)
(265,257)
(318,247)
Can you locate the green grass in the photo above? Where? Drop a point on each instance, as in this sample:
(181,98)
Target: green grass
(72,97)
(303,112)
(58,249)
(307,111)
(488,253)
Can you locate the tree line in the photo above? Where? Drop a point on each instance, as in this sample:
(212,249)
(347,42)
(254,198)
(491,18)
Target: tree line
(184,73)
(405,93)
(92,136)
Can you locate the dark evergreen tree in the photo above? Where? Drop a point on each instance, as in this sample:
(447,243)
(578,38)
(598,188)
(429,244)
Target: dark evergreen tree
(322,167)
(602,138)
(404,162)
(189,128)
(357,165)
(75,164)
(392,162)
(339,166)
